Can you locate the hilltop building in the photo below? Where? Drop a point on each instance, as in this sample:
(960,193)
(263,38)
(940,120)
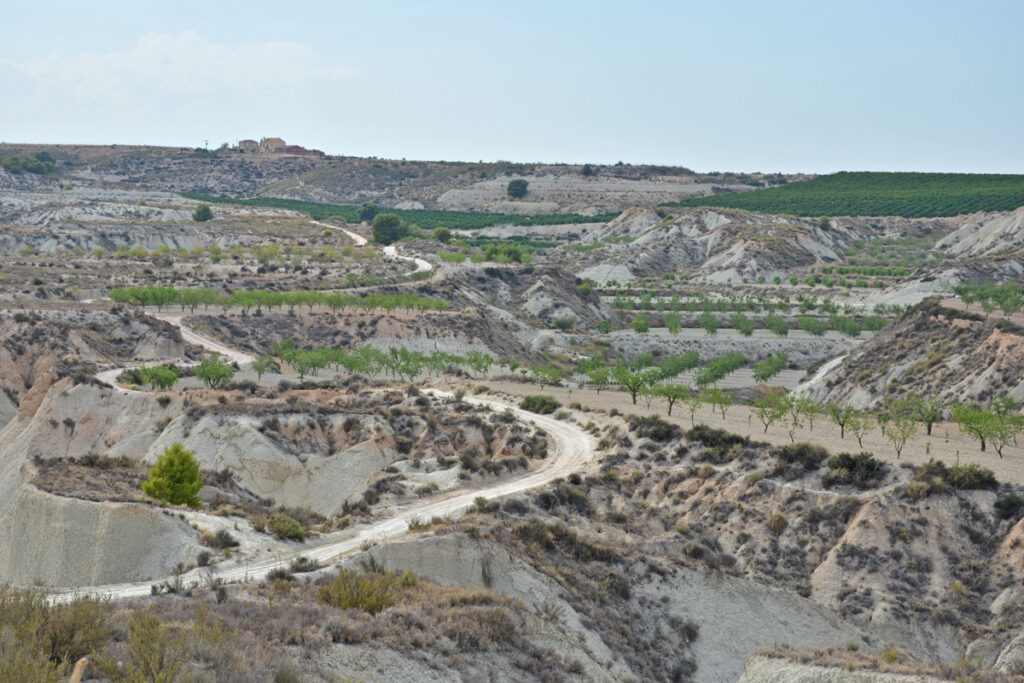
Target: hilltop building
(271,145)
(248,146)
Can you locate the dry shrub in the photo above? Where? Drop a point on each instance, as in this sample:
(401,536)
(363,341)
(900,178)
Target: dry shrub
(371,592)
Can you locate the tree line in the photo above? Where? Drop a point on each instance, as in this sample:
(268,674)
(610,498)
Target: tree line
(247,299)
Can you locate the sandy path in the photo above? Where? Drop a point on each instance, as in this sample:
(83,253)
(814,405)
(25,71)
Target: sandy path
(193,337)
(391,251)
(358,239)
(572,451)
(742,420)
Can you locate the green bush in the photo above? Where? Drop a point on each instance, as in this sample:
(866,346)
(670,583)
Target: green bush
(795,460)
(934,477)
(202,213)
(281,525)
(372,592)
(388,228)
(175,478)
(542,405)
(652,427)
(715,438)
(213,372)
(777,523)
(39,641)
(862,470)
(565,323)
(517,188)
(970,476)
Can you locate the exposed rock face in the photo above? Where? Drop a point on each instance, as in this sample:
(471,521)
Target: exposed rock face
(954,355)
(318,478)
(109,238)
(988,234)
(721,245)
(56,541)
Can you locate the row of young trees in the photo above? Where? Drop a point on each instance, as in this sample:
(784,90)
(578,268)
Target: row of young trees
(248,299)
(212,371)
(710,323)
(1007,297)
(899,419)
(396,362)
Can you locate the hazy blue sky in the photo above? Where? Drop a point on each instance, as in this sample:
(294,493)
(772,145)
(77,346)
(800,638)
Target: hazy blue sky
(784,85)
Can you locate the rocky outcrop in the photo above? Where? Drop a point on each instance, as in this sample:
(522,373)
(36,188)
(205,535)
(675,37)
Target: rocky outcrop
(953,355)
(319,478)
(987,234)
(721,246)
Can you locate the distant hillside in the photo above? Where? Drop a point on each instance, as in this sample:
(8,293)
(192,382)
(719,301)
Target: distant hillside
(911,195)
(954,355)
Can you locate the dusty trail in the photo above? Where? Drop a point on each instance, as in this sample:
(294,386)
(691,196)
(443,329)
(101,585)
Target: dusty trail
(572,450)
(358,239)
(193,337)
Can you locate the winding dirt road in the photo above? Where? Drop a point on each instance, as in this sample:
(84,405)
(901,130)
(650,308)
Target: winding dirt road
(572,450)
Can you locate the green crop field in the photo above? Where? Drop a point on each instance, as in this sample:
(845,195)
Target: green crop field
(912,195)
(424,218)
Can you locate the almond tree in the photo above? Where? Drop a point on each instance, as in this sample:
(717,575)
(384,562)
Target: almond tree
(859,425)
(841,416)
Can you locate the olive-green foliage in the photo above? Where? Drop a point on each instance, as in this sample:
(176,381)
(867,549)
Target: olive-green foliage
(367,212)
(862,470)
(794,460)
(160,376)
(175,478)
(425,218)
(743,324)
(280,525)
(880,194)
(517,188)
(261,298)
(935,477)
(154,653)
(709,321)
(777,325)
(213,372)
(542,405)
(371,592)
(769,367)
(39,641)
(777,523)
(33,164)
(718,368)
(652,427)
(812,326)
(388,228)
(202,213)
(565,322)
